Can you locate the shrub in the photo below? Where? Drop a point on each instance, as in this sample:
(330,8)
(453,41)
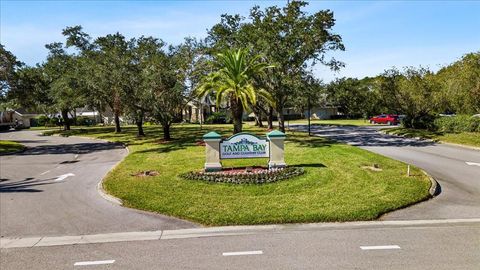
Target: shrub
(54,121)
(84,121)
(459,123)
(42,120)
(216,118)
(260,177)
(425,121)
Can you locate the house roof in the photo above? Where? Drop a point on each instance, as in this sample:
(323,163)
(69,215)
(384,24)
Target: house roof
(23,111)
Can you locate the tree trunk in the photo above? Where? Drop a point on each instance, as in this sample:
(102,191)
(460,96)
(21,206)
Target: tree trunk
(139,123)
(281,120)
(258,120)
(116,107)
(280,116)
(166,132)
(270,117)
(309,116)
(117,123)
(237,114)
(258,116)
(66,121)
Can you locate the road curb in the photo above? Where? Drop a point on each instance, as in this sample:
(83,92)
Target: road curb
(461,145)
(162,235)
(434,187)
(102,191)
(107,196)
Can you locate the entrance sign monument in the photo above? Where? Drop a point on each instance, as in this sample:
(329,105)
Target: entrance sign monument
(244,145)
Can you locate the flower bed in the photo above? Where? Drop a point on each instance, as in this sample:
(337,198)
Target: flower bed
(249,175)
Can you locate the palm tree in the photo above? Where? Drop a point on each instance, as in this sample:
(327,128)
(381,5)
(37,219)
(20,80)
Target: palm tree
(233,83)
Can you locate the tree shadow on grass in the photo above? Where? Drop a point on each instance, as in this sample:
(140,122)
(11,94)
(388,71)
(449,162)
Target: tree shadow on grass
(25,185)
(164,149)
(312,142)
(309,165)
(169,146)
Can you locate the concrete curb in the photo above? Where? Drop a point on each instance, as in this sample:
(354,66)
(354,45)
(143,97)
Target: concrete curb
(434,187)
(45,241)
(461,145)
(102,191)
(107,196)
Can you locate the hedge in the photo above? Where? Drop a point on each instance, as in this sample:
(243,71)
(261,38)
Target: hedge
(459,123)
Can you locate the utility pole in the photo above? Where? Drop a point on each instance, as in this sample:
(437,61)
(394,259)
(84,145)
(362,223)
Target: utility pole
(309,114)
(201,113)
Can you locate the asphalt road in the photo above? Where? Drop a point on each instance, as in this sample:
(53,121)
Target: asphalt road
(456,246)
(33,203)
(459,181)
(35,200)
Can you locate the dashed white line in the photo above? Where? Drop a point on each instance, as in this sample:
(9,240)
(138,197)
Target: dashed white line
(472,163)
(63,177)
(242,253)
(45,172)
(94,262)
(379,247)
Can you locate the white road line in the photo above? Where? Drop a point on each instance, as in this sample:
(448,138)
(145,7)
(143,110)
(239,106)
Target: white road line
(472,163)
(63,177)
(45,172)
(76,156)
(240,253)
(379,247)
(94,262)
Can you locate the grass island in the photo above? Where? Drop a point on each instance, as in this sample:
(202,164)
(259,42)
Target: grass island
(340,183)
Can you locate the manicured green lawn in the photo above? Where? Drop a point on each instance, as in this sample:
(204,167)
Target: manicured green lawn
(44,128)
(60,127)
(466,138)
(9,146)
(335,187)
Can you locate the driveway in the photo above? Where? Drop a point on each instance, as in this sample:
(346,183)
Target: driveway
(51,189)
(449,165)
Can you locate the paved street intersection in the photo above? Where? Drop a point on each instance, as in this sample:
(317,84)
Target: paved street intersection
(52,217)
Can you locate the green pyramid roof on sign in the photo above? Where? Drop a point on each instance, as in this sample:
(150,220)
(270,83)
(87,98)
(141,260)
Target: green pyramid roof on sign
(275,133)
(212,135)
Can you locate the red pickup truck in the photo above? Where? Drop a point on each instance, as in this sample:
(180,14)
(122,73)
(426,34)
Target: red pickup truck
(388,119)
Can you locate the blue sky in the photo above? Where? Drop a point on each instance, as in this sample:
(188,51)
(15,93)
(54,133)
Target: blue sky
(377,34)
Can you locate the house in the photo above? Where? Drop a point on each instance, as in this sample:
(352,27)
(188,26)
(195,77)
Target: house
(94,115)
(317,112)
(19,118)
(196,111)
(322,112)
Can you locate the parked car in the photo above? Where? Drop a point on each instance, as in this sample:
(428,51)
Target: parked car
(388,119)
